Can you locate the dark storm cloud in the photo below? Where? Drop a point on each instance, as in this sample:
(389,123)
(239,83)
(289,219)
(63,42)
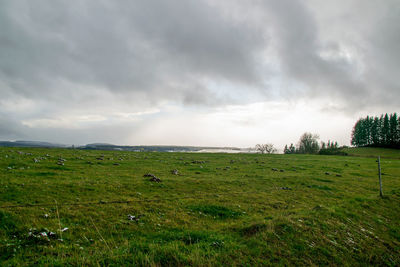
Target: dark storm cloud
(156,49)
(313,52)
(383,70)
(298,42)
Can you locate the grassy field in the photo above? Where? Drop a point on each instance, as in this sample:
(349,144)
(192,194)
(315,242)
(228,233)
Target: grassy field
(373,152)
(97,208)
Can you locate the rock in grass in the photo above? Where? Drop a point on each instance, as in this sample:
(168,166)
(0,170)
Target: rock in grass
(274,169)
(319,208)
(134,218)
(327,173)
(198,162)
(153,178)
(338,175)
(40,236)
(286,188)
(175,172)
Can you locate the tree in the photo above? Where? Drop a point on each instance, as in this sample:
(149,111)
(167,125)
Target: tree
(381,137)
(292,149)
(323,145)
(356,134)
(308,144)
(383,131)
(386,130)
(393,129)
(289,150)
(260,148)
(398,133)
(266,148)
(286,150)
(375,131)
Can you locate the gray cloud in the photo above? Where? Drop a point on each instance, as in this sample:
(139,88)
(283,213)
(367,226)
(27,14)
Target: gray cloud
(10,129)
(151,48)
(348,54)
(301,51)
(157,50)
(60,58)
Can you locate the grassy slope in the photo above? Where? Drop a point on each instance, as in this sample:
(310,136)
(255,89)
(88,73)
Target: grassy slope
(207,215)
(373,152)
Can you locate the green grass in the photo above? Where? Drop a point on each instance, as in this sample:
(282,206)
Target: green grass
(220,210)
(373,152)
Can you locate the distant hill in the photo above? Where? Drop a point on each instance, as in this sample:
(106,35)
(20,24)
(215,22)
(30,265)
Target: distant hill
(106,146)
(20,143)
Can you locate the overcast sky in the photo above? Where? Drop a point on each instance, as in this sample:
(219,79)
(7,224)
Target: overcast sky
(195,72)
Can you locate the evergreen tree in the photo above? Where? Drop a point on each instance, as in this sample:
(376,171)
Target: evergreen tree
(375,129)
(381,135)
(323,145)
(386,130)
(398,133)
(370,123)
(393,129)
(383,131)
(364,132)
(292,149)
(356,134)
(286,150)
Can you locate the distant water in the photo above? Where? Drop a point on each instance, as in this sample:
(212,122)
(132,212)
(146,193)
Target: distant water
(222,150)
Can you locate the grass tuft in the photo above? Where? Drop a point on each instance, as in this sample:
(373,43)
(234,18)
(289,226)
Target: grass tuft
(219,212)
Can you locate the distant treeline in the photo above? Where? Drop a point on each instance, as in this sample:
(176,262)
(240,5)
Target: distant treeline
(383,131)
(308,144)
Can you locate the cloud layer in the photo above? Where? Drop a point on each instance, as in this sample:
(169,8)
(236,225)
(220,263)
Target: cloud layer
(89,65)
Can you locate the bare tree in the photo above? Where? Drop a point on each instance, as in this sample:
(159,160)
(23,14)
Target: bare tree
(260,148)
(266,148)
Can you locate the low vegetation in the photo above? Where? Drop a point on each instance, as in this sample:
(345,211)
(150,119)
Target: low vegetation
(80,207)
